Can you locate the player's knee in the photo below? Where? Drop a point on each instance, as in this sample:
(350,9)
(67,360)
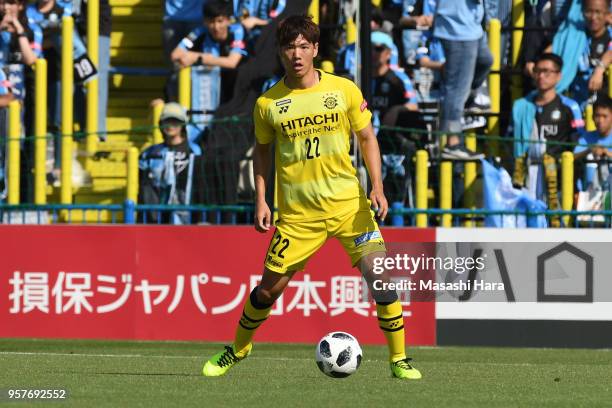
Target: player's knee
(268,296)
(384,297)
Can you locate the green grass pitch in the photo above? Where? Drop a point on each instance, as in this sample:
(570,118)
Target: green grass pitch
(167,374)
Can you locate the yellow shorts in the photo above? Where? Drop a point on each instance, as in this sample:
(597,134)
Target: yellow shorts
(293,243)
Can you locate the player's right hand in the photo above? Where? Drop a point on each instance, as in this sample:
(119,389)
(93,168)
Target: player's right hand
(263,217)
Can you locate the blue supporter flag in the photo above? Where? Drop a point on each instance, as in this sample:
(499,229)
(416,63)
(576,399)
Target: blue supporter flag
(499,194)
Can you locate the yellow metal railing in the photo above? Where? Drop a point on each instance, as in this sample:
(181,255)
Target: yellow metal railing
(446,192)
(469,178)
(327,66)
(156,114)
(67,110)
(567,184)
(184,87)
(518,21)
(610,82)
(589,121)
(421,173)
(40,132)
(132,174)
(93,36)
(351,31)
(14,159)
(313,10)
(494,84)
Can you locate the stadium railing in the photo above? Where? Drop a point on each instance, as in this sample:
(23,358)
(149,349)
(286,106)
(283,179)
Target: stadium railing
(127,213)
(427,166)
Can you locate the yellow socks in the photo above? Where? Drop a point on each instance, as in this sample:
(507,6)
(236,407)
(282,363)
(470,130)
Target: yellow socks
(253,315)
(391,322)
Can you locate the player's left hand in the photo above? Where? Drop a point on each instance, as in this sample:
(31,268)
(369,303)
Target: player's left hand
(379,203)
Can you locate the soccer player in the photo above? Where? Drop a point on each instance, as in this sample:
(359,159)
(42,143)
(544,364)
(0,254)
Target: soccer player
(309,114)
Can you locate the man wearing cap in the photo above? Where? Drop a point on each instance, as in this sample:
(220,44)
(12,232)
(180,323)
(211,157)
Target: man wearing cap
(170,171)
(390,87)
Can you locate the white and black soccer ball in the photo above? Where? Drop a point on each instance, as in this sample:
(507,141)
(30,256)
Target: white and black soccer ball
(338,354)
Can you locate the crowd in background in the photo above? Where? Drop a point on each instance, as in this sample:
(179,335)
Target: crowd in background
(31,30)
(430,62)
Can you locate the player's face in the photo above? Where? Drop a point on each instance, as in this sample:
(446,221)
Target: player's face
(217,27)
(297,57)
(595,14)
(603,120)
(547,75)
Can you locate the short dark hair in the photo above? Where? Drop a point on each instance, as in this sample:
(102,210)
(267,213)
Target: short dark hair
(584,3)
(603,101)
(554,58)
(292,27)
(216,8)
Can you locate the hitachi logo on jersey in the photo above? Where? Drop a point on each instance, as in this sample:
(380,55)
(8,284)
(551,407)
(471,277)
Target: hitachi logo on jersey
(309,121)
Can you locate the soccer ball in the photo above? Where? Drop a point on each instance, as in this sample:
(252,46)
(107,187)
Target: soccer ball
(338,354)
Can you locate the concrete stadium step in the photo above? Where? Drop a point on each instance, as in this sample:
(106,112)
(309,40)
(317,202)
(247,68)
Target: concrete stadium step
(137,83)
(108,169)
(130,40)
(147,29)
(101,190)
(130,112)
(135,3)
(141,101)
(125,141)
(106,183)
(145,95)
(138,14)
(120,123)
(94,217)
(137,57)
(112,155)
(100,198)
(118,142)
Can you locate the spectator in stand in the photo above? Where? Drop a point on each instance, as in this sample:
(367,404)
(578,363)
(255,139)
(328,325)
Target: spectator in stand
(216,44)
(103,55)
(416,20)
(542,117)
(170,172)
(255,14)
(459,26)
(388,88)
(584,42)
(47,16)
(20,45)
(392,95)
(345,59)
(6,97)
(180,18)
(214,50)
(20,42)
(428,77)
(596,146)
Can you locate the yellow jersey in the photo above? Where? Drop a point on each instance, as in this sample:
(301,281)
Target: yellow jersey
(312,129)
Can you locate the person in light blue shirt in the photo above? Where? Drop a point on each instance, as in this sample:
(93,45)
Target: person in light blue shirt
(596,146)
(458,24)
(180,18)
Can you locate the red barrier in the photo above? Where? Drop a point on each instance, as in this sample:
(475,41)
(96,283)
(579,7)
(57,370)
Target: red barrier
(178,283)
